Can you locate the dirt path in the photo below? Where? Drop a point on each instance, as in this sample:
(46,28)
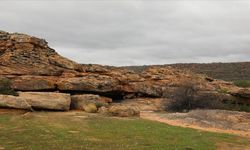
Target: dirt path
(190,122)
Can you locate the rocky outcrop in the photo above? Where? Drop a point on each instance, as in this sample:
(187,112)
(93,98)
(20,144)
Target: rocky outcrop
(242,92)
(22,54)
(31,65)
(243,95)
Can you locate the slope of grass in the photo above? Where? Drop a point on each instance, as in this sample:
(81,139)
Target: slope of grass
(78,131)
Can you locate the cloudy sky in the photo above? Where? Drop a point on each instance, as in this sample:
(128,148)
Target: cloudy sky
(135,32)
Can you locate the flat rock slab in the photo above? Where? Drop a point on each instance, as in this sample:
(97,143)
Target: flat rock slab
(9,101)
(41,100)
(223,121)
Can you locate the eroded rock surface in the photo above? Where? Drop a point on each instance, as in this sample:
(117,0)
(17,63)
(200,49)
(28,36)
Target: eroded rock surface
(22,54)
(80,101)
(124,110)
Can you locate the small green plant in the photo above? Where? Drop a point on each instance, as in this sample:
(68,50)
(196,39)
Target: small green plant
(5,87)
(242,83)
(225,91)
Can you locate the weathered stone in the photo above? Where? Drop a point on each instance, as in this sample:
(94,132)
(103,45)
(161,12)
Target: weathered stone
(242,92)
(47,100)
(31,56)
(124,110)
(79,101)
(147,104)
(33,83)
(41,100)
(9,101)
(89,82)
(242,95)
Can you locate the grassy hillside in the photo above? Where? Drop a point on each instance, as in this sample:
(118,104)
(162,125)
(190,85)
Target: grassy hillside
(78,130)
(224,71)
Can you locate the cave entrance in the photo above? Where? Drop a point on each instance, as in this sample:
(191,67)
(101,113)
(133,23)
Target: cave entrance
(116,96)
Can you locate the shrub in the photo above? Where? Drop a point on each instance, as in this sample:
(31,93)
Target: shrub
(187,98)
(229,105)
(242,83)
(225,91)
(5,87)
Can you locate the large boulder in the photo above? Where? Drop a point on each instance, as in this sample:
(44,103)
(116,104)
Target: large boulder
(40,100)
(81,100)
(90,108)
(123,110)
(47,100)
(10,101)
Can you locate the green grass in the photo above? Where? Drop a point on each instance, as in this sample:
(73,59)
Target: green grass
(242,83)
(54,131)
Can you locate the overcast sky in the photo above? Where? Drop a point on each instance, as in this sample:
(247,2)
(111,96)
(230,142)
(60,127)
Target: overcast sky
(135,32)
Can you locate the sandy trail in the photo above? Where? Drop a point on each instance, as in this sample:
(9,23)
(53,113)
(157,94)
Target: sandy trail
(164,118)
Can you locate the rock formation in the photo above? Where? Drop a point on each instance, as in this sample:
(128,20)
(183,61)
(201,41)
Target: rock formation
(32,66)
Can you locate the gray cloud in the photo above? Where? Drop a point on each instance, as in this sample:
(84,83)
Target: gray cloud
(136,32)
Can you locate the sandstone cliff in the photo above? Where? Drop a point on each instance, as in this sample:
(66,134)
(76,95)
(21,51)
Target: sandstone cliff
(31,65)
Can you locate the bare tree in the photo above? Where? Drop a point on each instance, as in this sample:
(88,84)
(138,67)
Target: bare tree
(187,97)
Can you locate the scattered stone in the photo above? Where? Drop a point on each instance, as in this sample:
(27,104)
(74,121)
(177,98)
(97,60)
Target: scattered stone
(90,108)
(103,110)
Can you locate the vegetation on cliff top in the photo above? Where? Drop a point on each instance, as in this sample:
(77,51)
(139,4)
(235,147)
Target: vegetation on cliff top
(242,83)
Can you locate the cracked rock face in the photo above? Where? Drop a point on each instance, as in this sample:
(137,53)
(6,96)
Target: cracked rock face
(32,65)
